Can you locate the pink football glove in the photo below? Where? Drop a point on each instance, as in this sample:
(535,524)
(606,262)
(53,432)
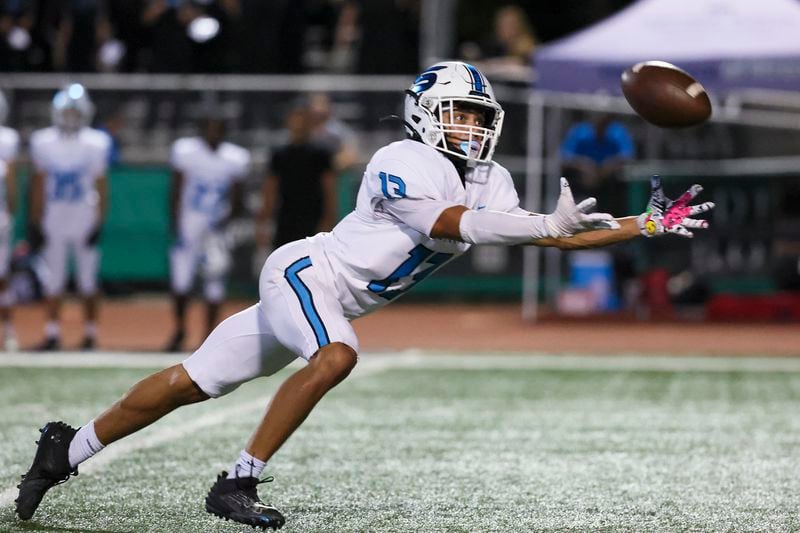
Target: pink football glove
(667,216)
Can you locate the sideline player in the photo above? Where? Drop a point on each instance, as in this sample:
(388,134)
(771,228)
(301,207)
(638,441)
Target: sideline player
(69,195)
(422,202)
(9,148)
(206,182)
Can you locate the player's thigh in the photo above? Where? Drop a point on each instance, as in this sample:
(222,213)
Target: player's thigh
(54,254)
(300,306)
(87,262)
(241,348)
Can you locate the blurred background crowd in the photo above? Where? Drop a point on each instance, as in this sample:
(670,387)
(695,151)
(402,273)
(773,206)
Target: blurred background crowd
(276,36)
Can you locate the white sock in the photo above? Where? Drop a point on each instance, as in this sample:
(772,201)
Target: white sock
(247,466)
(90,330)
(84,445)
(52,329)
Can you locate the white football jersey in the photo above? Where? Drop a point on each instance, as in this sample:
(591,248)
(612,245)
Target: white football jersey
(207,175)
(383,248)
(72,164)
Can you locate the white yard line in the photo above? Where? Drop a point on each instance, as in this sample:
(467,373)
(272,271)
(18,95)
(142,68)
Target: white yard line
(178,431)
(439,359)
(545,361)
(90,360)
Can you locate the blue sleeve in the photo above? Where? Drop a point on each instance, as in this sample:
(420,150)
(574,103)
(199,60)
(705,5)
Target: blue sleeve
(623,139)
(569,146)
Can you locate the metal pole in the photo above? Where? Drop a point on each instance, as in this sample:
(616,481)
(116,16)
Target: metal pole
(534,165)
(437,32)
(552,279)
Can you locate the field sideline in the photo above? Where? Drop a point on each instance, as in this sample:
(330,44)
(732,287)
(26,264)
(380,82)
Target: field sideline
(439,442)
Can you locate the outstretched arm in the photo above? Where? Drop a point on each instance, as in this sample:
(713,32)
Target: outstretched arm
(628,229)
(662,216)
(497,227)
(564,229)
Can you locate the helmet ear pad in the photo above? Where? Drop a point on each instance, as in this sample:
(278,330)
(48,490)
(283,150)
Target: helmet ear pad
(421,120)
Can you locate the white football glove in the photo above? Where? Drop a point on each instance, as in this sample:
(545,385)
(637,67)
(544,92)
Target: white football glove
(569,219)
(667,216)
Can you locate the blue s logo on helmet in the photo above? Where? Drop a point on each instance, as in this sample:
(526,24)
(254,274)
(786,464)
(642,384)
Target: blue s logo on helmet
(425,80)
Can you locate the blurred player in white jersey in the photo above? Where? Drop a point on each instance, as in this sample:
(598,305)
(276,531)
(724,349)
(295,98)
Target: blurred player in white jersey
(422,202)
(9,148)
(69,192)
(207,182)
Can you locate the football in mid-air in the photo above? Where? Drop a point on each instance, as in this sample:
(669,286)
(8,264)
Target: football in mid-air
(665,95)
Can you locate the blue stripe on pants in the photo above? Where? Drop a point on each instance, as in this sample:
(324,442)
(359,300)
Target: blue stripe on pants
(306,299)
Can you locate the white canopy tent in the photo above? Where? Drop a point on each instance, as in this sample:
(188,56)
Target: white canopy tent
(726,44)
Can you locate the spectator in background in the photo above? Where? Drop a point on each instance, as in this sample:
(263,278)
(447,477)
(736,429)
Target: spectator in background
(78,34)
(389,36)
(16,23)
(269,36)
(211,31)
(123,25)
(300,187)
(35,34)
(331,133)
(593,154)
(515,40)
(171,48)
(345,37)
(509,54)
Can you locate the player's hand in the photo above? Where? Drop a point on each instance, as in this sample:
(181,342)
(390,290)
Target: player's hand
(94,236)
(569,219)
(667,216)
(35,237)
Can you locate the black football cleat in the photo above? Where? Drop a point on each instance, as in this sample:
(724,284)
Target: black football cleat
(88,344)
(237,499)
(50,344)
(50,467)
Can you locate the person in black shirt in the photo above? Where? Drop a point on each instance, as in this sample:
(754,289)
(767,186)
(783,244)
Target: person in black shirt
(300,187)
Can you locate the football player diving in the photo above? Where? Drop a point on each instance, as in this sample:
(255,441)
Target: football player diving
(423,201)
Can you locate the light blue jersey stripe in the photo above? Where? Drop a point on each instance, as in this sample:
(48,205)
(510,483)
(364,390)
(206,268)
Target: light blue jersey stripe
(306,299)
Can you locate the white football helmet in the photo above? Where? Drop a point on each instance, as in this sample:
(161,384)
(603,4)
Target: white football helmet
(3,108)
(72,109)
(435,93)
